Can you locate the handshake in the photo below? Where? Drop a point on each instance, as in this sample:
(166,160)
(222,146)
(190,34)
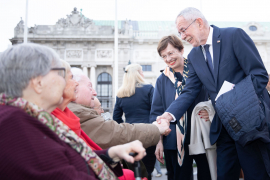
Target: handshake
(163,126)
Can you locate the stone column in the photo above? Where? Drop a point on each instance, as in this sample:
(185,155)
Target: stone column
(93,76)
(85,70)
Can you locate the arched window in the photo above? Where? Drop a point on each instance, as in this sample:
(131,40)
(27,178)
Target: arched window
(104,91)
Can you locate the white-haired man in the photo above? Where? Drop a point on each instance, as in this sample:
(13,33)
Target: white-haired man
(221,54)
(109,133)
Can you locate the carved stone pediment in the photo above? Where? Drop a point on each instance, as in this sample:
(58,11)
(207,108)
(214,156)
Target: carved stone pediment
(254,29)
(75,19)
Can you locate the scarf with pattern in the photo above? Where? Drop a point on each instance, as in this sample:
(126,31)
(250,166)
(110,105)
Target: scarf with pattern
(181,127)
(64,133)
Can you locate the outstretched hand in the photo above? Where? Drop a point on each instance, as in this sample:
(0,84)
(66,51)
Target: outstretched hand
(163,126)
(166,116)
(122,151)
(159,152)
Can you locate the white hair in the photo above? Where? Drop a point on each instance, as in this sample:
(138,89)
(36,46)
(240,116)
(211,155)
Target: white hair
(191,13)
(77,73)
(23,62)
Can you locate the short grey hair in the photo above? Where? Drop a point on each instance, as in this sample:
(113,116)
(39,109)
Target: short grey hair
(190,14)
(21,63)
(77,73)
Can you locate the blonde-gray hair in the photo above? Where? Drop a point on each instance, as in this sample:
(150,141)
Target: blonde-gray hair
(66,65)
(132,79)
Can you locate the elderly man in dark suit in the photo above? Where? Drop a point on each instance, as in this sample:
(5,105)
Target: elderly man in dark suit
(221,54)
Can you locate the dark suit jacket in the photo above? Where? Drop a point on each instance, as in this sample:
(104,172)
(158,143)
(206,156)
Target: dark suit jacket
(136,107)
(164,95)
(235,56)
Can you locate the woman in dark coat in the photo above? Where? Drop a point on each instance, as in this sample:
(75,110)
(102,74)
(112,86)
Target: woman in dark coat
(168,87)
(35,144)
(134,98)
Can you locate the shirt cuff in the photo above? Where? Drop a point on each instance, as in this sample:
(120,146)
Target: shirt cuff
(172,117)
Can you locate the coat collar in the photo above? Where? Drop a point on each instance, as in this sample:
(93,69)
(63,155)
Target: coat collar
(85,113)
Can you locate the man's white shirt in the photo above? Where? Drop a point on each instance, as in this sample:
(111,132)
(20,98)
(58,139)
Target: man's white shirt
(210,43)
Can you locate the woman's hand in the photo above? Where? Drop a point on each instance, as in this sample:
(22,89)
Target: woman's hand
(159,152)
(122,151)
(204,115)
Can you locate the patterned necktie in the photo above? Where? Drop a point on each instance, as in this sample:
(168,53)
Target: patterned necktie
(209,59)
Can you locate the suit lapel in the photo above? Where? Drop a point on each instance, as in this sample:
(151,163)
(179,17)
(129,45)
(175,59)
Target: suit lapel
(200,60)
(216,41)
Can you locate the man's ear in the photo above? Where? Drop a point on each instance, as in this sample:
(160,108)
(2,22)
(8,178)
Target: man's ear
(36,84)
(200,22)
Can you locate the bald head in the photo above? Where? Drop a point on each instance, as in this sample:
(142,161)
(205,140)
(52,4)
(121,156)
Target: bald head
(97,106)
(85,92)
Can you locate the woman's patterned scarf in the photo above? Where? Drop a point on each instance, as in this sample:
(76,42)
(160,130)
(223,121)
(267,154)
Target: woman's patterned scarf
(181,127)
(64,133)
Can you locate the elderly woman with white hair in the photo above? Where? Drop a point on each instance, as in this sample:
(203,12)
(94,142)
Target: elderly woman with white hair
(35,144)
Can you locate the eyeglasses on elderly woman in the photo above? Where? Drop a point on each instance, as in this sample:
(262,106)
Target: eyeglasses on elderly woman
(61,71)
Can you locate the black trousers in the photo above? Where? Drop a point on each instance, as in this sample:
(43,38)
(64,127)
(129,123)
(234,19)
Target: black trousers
(149,160)
(185,172)
(231,157)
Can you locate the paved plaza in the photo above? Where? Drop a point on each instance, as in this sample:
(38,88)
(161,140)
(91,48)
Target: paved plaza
(164,177)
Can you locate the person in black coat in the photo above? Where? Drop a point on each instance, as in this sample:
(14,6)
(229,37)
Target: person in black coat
(134,98)
(169,86)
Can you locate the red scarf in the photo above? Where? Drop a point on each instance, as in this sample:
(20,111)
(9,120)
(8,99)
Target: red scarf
(73,122)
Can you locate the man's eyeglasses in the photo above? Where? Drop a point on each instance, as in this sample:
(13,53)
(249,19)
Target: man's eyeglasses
(61,71)
(184,31)
(170,54)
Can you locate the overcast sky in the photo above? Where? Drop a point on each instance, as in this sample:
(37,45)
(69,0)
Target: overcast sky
(47,12)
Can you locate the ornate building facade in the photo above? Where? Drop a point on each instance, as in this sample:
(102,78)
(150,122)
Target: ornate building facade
(89,45)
